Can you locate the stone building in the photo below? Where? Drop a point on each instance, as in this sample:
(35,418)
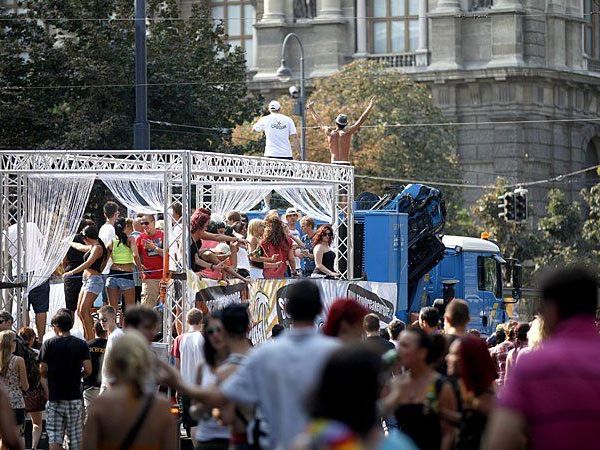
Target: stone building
(501,61)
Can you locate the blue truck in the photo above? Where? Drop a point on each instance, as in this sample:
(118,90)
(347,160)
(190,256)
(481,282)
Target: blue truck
(398,238)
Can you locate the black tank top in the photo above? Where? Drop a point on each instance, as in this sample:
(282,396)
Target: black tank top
(421,421)
(328,261)
(99,263)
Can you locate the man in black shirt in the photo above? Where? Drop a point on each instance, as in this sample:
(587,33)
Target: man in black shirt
(64,359)
(371,326)
(91,383)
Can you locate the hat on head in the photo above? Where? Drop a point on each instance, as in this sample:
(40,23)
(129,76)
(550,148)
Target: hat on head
(274,105)
(222,249)
(291,212)
(342,119)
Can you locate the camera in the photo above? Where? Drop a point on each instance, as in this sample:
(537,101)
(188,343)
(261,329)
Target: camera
(294,92)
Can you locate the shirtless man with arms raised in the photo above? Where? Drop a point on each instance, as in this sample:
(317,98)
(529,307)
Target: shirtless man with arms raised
(340,137)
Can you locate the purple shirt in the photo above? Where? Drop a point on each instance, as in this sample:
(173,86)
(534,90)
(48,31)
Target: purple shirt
(557,388)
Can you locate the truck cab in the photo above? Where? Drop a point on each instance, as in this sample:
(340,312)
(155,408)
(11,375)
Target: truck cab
(476,265)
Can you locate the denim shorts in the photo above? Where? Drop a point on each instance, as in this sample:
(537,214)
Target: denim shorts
(93,284)
(120,280)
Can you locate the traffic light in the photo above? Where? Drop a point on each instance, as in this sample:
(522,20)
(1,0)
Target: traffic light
(520,204)
(506,206)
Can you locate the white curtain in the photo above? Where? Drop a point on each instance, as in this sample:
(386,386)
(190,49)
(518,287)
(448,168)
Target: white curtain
(315,201)
(237,197)
(142,193)
(56,204)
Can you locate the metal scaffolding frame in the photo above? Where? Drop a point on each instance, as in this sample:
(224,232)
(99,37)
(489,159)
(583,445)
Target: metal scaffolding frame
(184,172)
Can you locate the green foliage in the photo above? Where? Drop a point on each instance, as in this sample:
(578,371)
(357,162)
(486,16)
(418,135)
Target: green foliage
(195,78)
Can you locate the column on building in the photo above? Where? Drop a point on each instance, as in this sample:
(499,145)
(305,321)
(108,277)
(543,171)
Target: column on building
(361,28)
(274,11)
(329,9)
(507,33)
(422,52)
(446,44)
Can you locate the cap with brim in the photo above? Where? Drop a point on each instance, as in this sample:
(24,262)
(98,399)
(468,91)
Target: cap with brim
(291,212)
(342,119)
(274,105)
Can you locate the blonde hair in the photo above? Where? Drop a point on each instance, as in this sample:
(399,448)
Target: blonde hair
(253,227)
(6,338)
(537,333)
(129,360)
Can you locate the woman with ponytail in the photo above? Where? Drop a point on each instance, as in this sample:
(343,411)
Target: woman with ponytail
(124,259)
(126,416)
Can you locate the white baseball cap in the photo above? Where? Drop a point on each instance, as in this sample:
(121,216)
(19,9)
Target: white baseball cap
(274,105)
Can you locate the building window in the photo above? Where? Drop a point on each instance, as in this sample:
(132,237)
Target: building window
(238,20)
(591,29)
(394,26)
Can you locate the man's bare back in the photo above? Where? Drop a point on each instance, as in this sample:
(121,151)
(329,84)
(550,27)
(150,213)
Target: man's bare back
(339,137)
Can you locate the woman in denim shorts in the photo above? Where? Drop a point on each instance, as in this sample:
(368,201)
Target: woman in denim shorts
(94,261)
(124,259)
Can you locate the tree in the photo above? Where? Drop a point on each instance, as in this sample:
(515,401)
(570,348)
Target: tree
(195,78)
(382,148)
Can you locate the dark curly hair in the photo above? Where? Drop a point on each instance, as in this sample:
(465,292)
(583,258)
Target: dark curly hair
(318,237)
(274,232)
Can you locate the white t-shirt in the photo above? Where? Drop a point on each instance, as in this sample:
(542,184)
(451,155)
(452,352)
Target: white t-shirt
(191,355)
(243,262)
(112,338)
(107,234)
(295,233)
(278,129)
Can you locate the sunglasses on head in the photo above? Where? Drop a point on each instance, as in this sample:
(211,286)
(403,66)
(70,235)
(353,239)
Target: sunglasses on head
(213,330)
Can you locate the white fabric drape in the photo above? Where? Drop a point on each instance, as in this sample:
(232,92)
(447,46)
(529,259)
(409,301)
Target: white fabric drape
(314,201)
(237,197)
(56,204)
(141,193)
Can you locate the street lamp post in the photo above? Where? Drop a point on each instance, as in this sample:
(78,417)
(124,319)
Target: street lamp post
(284,74)
(141,127)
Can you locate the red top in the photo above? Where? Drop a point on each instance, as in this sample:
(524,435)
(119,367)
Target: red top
(281,254)
(556,389)
(151,260)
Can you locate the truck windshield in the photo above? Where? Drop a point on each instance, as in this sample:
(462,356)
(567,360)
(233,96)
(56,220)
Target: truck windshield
(489,275)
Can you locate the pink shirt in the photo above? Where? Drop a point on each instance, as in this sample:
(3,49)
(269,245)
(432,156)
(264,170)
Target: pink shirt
(557,388)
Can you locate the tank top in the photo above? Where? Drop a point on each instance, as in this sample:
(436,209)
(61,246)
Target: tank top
(121,254)
(209,428)
(10,382)
(96,265)
(421,421)
(328,261)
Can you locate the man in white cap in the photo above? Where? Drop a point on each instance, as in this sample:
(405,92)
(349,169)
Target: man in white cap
(340,137)
(277,128)
(291,217)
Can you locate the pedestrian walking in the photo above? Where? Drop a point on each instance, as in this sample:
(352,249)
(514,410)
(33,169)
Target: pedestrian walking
(339,137)
(343,407)
(469,361)
(553,394)
(93,382)
(64,359)
(278,129)
(422,401)
(127,417)
(13,378)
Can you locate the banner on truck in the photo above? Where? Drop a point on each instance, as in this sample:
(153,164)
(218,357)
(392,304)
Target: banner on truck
(266,299)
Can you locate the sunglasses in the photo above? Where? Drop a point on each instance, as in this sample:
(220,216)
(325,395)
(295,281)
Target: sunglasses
(327,234)
(144,223)
(211,331)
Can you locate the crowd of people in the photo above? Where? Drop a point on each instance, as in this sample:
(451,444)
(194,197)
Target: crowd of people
(352,382)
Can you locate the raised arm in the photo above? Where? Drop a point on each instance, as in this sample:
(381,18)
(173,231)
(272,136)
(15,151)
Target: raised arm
(313,112)
(364,115)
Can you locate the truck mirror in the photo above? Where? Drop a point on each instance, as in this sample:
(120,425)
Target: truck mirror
(517,275)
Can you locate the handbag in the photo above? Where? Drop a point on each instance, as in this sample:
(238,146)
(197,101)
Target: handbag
(135,429)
